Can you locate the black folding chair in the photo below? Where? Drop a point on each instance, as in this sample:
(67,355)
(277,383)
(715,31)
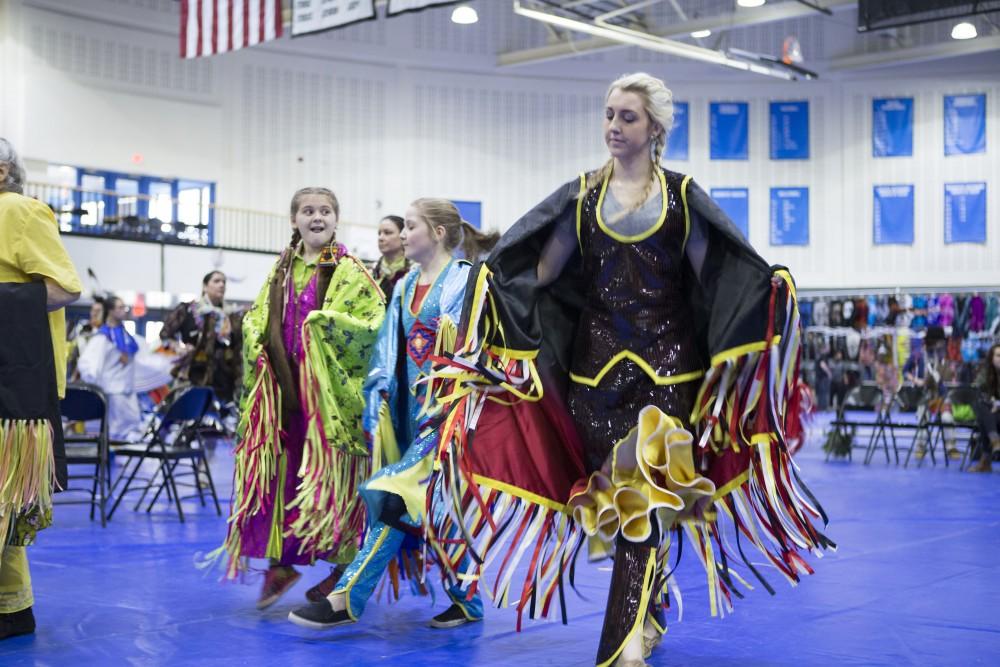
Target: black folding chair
(173,437)
(862,398)
(961,395)
(87,403)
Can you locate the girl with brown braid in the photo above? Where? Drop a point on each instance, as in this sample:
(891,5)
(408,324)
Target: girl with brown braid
(301,455)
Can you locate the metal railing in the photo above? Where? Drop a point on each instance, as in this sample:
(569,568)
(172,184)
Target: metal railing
(162,219)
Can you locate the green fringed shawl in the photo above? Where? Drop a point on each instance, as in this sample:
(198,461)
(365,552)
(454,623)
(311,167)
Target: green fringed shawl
(338,339)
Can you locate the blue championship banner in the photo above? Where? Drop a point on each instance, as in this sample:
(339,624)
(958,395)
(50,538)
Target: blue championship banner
(789,216)
(677,141)
(892,127)
(893,214)
(729,130)
(790,130)
(964,124)
(965,212)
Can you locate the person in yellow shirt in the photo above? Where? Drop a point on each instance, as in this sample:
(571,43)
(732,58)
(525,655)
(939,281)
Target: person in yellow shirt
(30,252)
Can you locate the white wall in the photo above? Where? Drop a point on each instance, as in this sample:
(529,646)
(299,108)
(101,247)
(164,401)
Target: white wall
(390,110)
(176,270)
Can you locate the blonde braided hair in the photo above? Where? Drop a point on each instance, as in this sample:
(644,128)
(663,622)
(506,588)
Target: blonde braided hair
(658,102)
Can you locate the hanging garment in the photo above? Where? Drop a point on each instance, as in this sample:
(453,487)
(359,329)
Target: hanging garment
(977,313)
(836,313)
(946,304)
(821,313)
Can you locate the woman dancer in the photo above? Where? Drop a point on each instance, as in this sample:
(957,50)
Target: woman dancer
(629,294)
(208,337)
(301,454)
(394,264)
(421,316)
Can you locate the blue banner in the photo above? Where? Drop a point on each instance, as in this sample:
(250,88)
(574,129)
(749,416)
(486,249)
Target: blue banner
(790,130)
(735,202)
(471,212)
(892,127)
(789,216)
(729,130)
(677,141)
(893,214)
(965,212)
(964,124)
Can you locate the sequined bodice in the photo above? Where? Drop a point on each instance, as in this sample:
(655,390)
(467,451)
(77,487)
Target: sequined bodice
(635,303)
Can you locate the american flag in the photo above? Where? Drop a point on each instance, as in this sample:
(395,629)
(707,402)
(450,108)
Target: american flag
(216,26)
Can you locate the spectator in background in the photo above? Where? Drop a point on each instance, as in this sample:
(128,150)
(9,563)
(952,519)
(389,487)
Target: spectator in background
(866,360)
(838,378)
(886,374)
(208,339)
(393,264)
(31,255)
(988,409)
(930,371)
(823,379)
(915,368)
(81,335)
(122,366)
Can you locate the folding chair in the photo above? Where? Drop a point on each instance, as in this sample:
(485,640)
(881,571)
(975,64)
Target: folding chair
(862,398)
(962,395)
(87,403)
(170,440)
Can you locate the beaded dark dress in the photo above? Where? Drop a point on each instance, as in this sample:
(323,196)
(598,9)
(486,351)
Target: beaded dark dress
(635,309)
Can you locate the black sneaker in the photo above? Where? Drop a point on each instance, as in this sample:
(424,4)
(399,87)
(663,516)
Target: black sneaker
(319,616)
(17,623)
(452,617)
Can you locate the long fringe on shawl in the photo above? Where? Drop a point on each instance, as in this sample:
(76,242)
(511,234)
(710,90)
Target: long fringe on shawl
(742,407)
(27,470)
(256,467)
(330,510)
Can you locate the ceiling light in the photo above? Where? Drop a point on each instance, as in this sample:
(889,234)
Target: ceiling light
(701,34)
(464,15)
(964,30)
(750,3)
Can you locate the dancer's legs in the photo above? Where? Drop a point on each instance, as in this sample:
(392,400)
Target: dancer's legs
(632,580)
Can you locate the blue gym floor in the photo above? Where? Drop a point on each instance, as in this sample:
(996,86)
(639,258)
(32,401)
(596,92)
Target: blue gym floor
(913,583)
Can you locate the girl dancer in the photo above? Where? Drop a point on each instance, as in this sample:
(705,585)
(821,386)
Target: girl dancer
(301,454)
(628,294)
(420,321)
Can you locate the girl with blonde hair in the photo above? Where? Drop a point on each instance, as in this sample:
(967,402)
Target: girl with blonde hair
(419,324)
(624,375)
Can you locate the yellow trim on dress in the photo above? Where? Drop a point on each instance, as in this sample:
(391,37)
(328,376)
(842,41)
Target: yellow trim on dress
(519,355)
(661,380)
(740,350)
(518,492)
(579,208)
(622,238)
